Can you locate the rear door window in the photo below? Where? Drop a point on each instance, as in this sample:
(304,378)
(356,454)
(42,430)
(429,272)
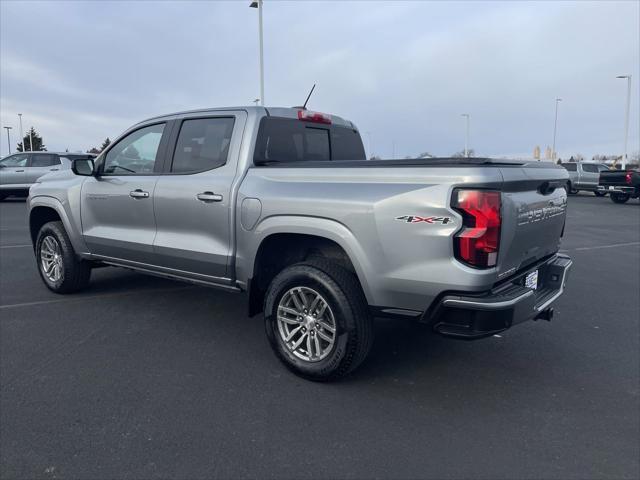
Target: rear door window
(590,168)
(572,167)
(44,160)
(203,144)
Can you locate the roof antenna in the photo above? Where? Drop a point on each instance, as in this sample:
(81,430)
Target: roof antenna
(304,107)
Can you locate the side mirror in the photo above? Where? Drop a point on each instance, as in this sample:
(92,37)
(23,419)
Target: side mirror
(83,166)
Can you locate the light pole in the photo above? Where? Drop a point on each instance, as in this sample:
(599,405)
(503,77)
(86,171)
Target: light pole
(626,119)
(258,4)
(8,140)
(21,137)
(31,139)
(555,128)
(466,136)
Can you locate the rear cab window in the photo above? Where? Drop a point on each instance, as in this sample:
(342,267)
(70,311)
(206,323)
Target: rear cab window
(571,167)
(283,140)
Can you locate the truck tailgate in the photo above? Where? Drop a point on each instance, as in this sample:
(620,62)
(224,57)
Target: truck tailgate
(534,203)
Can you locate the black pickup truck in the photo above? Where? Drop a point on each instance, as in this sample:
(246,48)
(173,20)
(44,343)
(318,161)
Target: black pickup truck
(620,184)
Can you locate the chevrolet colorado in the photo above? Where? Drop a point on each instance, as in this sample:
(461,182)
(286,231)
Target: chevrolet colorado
(282,203)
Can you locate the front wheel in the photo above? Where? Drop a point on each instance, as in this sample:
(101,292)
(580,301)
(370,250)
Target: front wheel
(619,197)
(317,320)
(599,194)
(59,267)
(571,190)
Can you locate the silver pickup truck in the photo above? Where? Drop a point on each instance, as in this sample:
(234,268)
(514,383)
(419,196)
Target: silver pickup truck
(281,203)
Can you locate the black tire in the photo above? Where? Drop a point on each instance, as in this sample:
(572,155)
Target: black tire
(571,190)
(619,197)
(348,306)
(76,273)
(599,194)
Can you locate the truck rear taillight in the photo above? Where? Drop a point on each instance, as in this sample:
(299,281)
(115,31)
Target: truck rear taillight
(314,117)
(627,178)
(478,242)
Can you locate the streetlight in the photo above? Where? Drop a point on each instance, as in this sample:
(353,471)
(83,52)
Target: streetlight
(8,140)
(626,119)
(555,128)
(258,4)
(369,138)
(466,137)
(21,137)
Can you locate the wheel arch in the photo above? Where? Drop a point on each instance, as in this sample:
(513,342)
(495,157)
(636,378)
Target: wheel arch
(48,209)
(299,241)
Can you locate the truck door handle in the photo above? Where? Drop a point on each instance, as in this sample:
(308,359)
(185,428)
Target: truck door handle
(18,171)
(137,193)
(54,169)
(209,197)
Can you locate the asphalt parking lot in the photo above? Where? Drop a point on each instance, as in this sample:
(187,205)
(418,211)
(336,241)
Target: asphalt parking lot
(140,377)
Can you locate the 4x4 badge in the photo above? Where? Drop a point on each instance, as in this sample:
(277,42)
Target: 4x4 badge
(418,219)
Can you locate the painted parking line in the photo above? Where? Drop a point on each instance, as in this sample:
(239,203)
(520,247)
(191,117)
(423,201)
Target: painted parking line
(595,247)
(16,246)
(94,297)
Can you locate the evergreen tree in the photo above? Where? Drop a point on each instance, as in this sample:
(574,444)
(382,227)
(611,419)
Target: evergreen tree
(38,144)
(105,144)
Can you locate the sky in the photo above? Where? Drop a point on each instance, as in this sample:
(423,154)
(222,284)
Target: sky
(403,72)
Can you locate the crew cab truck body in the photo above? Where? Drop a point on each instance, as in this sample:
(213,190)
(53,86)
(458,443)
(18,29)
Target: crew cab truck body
(585,176)
(281,203)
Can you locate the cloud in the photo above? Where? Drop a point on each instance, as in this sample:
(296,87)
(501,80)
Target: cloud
(403,71)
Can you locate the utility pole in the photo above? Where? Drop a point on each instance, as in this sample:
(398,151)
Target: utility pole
(555,128)
(466,136)
(21,135)
(8,139)
(31,140)
(258,4)
(626,119)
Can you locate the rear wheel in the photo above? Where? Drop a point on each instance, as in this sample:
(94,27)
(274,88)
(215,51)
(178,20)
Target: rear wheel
(571,190)
(317,320)
(619,197)
(59,267)
(599,194)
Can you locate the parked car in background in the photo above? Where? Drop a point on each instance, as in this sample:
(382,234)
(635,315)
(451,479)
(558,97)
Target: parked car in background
(21,170)
(621,185)
(585,176)
(282,203)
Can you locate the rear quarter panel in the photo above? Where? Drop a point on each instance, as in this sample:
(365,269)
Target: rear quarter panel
(400,263)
